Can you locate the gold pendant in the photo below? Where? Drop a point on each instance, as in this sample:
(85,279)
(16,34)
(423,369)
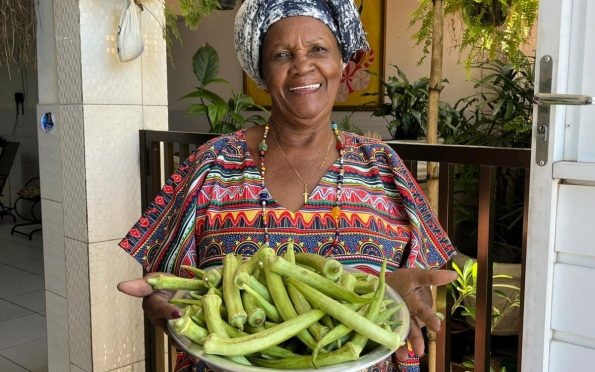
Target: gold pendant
(306,194)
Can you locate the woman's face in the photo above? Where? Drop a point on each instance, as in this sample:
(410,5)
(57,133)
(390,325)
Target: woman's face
(302,66)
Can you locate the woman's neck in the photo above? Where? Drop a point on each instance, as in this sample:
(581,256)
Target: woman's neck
(301,134)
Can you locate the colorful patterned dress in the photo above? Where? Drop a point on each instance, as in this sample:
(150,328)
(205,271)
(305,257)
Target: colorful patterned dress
(210,207)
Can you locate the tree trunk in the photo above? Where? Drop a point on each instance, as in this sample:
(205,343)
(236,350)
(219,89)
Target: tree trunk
(432,138)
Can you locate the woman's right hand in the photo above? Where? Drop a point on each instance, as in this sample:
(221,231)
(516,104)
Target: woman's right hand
(155,301)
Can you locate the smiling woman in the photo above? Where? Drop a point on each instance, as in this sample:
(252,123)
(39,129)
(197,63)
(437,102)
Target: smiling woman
(296,178)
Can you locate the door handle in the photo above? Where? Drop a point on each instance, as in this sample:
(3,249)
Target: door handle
(550,99)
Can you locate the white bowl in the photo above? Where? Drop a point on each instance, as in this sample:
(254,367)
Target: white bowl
(221,364)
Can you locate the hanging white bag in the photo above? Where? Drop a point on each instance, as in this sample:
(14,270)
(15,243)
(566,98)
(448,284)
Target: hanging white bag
(130,40)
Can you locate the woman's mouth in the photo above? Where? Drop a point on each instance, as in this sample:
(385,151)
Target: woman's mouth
(305,88)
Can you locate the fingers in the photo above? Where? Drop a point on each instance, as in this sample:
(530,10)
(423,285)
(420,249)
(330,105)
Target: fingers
(433,277)
(157,307)
(138,287)
(416,340)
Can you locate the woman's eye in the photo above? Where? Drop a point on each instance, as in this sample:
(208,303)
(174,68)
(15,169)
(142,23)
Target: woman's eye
(282,55)
(318,49)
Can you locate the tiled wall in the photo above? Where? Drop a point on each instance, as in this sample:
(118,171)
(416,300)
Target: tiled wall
(90,178)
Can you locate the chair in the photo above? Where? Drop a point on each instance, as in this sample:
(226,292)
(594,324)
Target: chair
(30,194)
(8,151)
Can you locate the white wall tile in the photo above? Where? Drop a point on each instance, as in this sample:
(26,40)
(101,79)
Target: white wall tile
(111,156)
(46,46)
(106,80)
(57,332)
(567,357)
(136,367)
(572,282)
(68,42)
(50,155)
(74,177)
(79,303)
(575,219)
(155,118)
(117,319)
(54,258)
(154,63)
(74,368)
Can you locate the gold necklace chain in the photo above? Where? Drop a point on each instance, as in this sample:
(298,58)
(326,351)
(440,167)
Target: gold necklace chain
(306,194)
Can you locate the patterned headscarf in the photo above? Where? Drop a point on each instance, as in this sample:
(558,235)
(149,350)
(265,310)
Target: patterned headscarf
(256,16)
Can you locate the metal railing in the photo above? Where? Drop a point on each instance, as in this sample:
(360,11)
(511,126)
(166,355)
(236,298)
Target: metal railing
(157,155)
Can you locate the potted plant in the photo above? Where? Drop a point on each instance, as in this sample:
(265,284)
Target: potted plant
(406,106)
(223,116)
(18,22)
(497,28)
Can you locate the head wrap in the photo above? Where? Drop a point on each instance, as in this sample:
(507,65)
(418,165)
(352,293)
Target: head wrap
(256,16)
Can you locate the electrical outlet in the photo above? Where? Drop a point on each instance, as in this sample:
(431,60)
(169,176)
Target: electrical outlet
(19,98)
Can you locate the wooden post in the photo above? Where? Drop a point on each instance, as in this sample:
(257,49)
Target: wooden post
(432,137)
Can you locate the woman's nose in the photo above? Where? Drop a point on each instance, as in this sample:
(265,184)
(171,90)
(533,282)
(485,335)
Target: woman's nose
(302,64)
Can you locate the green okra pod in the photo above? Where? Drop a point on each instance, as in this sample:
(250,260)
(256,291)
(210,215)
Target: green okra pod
(348,317)
(301,306)
(269,309)
(213,277)
(363,287)
(215,344)
(256,315)
(348,281)
(345,354)
(237,317)
(290,252)
(329,267)
(184,301)
(245,271)
(274,351)
(186,327)
(211,304)
(359,340)
(280,296)
(312,279)
(175,283)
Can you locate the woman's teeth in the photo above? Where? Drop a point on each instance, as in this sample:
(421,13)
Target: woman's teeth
(311,86)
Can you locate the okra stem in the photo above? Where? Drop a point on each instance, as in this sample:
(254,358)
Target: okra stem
(269,309)
(301,306)
(348,281)
(290,252)
(256,315)
(363,287)
(194,270)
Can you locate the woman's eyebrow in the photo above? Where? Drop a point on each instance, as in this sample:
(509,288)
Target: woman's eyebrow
(307,42)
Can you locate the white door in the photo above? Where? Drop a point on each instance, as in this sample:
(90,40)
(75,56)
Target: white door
(559,331)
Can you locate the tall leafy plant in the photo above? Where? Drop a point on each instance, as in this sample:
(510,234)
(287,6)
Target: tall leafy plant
(406,106)
(223,116)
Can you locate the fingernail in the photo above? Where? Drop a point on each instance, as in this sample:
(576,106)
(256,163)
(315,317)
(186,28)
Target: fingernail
(176,314)
(422,355)
(439,330)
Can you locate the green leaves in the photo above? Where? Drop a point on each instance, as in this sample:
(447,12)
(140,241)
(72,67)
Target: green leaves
(407,112)
(205,64)
(223,116)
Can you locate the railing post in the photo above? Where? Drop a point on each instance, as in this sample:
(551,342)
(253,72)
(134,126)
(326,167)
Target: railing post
(483,320)
(444,300)
(523,263)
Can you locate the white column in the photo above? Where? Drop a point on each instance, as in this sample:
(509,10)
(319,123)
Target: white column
(89,165)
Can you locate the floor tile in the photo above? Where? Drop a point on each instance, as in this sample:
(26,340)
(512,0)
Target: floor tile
(10,311)
(31,355)
(9,273)
(21,330)
(34,266)
(12,253)
(8,366)
(24,284)
(34,301)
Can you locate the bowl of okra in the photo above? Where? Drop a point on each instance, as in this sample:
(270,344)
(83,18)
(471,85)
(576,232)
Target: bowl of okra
(295,312)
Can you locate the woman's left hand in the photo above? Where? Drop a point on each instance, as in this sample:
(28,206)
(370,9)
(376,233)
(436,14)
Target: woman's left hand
(414,286)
